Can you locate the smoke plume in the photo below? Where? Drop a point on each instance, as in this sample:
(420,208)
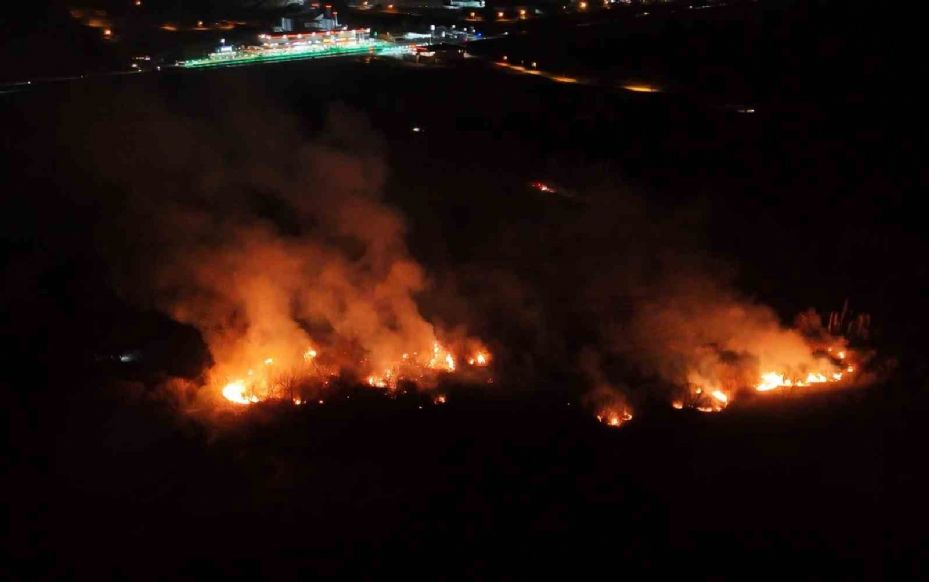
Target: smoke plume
(269,238)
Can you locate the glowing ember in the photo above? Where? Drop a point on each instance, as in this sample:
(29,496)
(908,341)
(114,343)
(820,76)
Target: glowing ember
(614,418)
(479,359)
(641,88)
(440,399)
(720,395)
(310,354)
(541,187)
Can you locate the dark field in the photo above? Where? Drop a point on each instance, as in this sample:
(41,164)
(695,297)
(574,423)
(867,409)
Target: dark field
(810,200)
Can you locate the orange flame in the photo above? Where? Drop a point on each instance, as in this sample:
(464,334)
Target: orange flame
(274,379)
(614,418)
(830,368)
(235,392)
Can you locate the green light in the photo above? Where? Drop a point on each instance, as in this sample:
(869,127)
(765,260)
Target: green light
(377,47)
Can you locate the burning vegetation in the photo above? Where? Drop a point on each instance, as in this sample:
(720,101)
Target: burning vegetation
(734,348)
(309,378)
(282,253)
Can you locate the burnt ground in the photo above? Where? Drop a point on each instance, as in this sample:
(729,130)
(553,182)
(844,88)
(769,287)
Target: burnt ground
(813,199)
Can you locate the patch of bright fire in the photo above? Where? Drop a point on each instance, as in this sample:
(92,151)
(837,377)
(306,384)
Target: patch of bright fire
(835,366)
(269,383)
(614,418)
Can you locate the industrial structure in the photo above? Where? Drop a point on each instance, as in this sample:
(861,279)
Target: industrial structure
(301,45)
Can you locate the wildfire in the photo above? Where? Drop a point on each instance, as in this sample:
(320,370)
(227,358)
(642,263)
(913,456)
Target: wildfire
(706,400)
(831,369)
(441,359)
(479,359)
(776,380)
(235,392)
(614,418)
(377,382)
(279,380)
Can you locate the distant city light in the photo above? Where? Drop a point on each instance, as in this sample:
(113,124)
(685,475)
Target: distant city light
(500,14)
(286,47)
(107,32)
(582,5)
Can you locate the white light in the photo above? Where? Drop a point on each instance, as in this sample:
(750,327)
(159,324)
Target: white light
(416,129)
